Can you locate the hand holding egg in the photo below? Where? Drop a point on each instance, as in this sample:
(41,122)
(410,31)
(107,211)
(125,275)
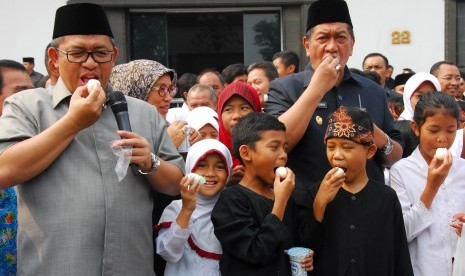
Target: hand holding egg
(92,84)
(282,172)
(339,173)
(195,176)
(441,153)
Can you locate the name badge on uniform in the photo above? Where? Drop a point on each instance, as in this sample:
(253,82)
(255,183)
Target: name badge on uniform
(322,105)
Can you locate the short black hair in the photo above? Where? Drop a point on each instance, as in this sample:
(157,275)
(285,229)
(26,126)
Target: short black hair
(367,74)
(208,70)
(434,69)
(250,128)
(287,58)
(185,82)
(8,64)
(270,71)
(231,71)
(386,61)
(372,76)
(433,102)
(411,141)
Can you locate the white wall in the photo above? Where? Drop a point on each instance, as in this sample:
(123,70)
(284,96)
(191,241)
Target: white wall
(26,28)
(375,20)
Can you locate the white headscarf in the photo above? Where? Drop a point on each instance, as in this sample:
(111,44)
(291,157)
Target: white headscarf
(410,86)
(201,116)
(200,222)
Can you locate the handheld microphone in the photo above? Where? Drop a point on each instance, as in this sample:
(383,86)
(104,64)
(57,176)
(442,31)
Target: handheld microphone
(119,106)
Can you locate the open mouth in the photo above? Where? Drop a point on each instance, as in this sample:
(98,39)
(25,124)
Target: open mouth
(210,183)
(85,80)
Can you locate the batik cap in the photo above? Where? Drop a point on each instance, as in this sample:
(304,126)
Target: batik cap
(341,125)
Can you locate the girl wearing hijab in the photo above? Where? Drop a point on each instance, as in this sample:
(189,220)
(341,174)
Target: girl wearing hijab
(152,82)
(415,87)
(236,100)
(186,239)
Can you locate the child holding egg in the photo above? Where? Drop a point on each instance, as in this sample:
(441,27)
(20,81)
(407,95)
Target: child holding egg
(185,238)
(358,227)
(430,184)
(256,220)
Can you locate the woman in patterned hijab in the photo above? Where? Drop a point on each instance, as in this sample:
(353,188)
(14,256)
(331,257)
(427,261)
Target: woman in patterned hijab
(146,80)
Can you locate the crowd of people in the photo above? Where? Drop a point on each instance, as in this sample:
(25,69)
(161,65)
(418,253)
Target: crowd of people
(93,183)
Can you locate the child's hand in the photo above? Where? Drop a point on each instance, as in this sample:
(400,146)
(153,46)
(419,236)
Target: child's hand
(438,171)
(330,186)
(457,222)
(328,189)
(194,136)
(283,188)
(237,174)
(189,188)
(307,262)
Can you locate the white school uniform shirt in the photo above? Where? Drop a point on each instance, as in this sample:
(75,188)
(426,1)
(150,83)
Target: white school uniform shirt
(194,251)
(172,242)
(432,241)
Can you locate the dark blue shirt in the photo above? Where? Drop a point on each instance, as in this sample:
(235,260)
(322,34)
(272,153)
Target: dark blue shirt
(308,158)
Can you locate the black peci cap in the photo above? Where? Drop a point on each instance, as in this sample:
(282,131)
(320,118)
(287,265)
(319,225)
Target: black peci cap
(81,19)
(328,11)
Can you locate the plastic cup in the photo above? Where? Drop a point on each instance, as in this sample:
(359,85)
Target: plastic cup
(296,255)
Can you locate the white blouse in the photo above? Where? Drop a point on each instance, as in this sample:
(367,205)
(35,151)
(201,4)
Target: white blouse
(192,251)
(432,241)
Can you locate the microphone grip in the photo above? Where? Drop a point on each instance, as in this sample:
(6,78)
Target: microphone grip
(122,120)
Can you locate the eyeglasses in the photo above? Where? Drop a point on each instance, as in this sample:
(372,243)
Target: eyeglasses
(82,56)
(163,90)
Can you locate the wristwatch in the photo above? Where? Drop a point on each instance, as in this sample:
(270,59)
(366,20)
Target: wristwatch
(155,164)
(388,147)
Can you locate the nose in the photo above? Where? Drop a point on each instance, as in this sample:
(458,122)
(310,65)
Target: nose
(90,62)
(442,140)
(331,45)
(210,171)
(283,155)
(167,97)
(338,154)
(236,115)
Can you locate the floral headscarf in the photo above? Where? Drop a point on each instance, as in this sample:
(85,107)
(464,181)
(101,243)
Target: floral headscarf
(137,77)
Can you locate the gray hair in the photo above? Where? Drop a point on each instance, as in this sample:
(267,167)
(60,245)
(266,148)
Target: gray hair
(57,41)
(202,87)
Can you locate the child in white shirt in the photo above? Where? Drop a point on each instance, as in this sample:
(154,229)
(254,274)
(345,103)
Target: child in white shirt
(186,239)
(432,191)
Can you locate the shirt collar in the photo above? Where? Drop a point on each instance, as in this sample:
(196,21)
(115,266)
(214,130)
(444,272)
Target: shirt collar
(60,92)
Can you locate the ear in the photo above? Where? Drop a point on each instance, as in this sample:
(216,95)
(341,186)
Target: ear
(291,68)
(306,43)
(415,128)
(244,152)
(371,151)
(53,54)
(352,43)
(115,55)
